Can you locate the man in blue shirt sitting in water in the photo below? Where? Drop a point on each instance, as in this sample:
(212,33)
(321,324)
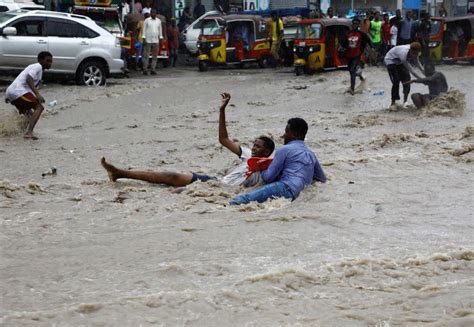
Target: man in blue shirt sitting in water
(293,168)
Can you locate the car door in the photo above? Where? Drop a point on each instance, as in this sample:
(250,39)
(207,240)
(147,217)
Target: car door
(22,49)
(67,39)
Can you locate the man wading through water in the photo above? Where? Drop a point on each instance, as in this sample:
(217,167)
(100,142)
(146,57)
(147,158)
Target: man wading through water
(354,45)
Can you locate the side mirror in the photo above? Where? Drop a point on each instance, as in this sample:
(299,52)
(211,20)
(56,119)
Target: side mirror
(9,31)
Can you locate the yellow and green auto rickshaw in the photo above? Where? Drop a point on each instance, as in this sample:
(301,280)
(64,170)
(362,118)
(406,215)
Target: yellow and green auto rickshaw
(233,40)
(317,43)
(452,39)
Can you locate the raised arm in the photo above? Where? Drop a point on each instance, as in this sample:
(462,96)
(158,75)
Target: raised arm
(223,135)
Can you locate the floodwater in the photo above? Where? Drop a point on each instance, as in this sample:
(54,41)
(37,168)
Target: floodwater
(388,241)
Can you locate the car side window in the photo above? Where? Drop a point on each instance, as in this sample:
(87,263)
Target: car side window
(3,8)
(64,28)
(29,27)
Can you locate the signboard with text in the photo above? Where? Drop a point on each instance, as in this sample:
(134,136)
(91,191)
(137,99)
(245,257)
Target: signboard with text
(252,5)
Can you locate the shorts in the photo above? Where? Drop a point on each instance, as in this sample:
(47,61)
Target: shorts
(25,103)
(202,178)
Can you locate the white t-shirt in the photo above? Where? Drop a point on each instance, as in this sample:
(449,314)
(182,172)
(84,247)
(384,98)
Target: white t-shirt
(393,35)
(238,175)
(397,55)
(19,86)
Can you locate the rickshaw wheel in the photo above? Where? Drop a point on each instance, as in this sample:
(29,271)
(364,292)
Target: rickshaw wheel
(202,66)
(299,70)
(262,62)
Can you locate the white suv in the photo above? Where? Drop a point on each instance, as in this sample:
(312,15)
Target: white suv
(78,45)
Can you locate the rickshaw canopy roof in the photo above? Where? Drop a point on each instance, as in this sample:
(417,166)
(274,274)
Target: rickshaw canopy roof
(454,19)
(255,19)
(328,21)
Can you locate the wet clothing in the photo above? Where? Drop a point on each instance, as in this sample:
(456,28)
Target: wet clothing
(293,168)
(20,87)
(396,62)
(397,55)
(238,176)
(25,103)
(296,166)
(399,74)
(437,83)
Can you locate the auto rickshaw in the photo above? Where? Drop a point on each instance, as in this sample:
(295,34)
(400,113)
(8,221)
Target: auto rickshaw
(233,40)
(317,43)
(452,39)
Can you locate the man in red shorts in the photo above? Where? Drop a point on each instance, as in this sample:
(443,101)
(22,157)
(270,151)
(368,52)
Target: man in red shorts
(23,92)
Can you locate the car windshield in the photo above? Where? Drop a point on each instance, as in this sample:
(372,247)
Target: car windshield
(309,31)
(6,16)
(211,27)
(435,27)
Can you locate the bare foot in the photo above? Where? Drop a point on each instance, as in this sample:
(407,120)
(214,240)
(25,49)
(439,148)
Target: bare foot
(111,170)
(30,136)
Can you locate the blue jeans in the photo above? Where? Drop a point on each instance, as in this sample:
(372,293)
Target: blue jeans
(139,54)
(262,194)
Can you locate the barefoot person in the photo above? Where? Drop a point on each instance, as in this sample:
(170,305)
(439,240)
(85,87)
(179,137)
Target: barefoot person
(262,148)
(293,168)
(436,83)
(23,92)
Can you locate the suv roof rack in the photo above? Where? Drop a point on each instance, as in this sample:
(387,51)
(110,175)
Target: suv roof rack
(57,14)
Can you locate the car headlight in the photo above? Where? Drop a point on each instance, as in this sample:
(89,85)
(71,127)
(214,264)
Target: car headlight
(311,49)
(433,44)
(198,45)
(294,49)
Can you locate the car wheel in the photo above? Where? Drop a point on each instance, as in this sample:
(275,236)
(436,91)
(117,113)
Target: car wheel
(202,66)
(91,73)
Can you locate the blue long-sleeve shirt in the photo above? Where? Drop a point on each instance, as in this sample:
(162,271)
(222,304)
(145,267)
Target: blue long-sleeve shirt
(294,165)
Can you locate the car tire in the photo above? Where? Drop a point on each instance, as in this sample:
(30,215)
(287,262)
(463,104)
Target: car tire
(202,66)
(91,73)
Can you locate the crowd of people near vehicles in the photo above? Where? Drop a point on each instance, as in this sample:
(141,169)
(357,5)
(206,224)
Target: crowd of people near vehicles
(398,42)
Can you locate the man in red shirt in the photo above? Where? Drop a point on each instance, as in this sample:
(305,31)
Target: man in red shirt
(385,34)
(173,38)
(354,44)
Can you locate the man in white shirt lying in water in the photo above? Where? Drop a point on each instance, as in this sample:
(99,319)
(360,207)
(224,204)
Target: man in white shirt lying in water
(241,175)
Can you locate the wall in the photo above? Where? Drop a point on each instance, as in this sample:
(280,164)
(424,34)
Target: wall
(343,6)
